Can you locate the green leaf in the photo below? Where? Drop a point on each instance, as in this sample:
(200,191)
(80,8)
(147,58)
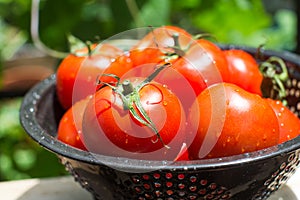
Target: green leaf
(155,13)
(9,119)
(228,20)
(25,158)
(75,43)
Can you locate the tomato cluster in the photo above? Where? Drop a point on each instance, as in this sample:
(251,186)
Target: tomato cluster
(171,96)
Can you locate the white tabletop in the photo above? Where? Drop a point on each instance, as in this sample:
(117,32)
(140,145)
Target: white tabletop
(65,188)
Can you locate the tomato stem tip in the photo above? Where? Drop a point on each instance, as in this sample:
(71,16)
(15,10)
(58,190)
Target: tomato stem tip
(274,71)
(127,87)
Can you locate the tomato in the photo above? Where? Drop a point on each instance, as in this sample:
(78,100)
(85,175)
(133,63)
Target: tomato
(244,70)
(228,120)
(77,74)
(200,61)
(120,66)
(111,129)
(157,44)
(289,123)
(163,38)
(203,64)
(70,125)
(196,64)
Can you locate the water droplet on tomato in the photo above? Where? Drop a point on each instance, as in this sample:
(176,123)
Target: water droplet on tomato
(165,103)
(89,78)
(243,150)
(257,144)
(228,140)
(265,137)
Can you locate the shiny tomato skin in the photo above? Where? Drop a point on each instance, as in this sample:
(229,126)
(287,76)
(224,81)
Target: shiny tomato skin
(244,70)
(183,154)
(118,67)
(70,125)
(163,38)
(109,129)
(203,64)
(289,123)
(218,57)
(76,74)
(154,46)
(231,121)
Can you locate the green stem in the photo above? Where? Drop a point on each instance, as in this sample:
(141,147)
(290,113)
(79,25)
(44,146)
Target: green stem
(127,87)
(177,48)
(153,75)
(148,121)
(204,35)
(270,71)
(131,99)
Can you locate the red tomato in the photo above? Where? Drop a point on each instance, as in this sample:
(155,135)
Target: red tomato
(196,64)
(229,121)
(244,70)
(76,75)
(289,123)
(70,125)
(120,66)
(146,56)
(110,129)
(203,64)
(157,44)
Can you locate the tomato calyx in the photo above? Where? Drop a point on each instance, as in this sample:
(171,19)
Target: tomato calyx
(178,50)
(203,36)
(76,44)
(131,98)
(275,74)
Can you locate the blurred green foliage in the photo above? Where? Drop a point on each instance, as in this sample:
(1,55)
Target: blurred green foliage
(20,156)
(243,22)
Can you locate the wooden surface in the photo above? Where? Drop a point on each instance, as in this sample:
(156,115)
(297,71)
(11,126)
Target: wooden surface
(65,188)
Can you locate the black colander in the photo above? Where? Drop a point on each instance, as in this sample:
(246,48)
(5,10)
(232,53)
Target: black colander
(248,176)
